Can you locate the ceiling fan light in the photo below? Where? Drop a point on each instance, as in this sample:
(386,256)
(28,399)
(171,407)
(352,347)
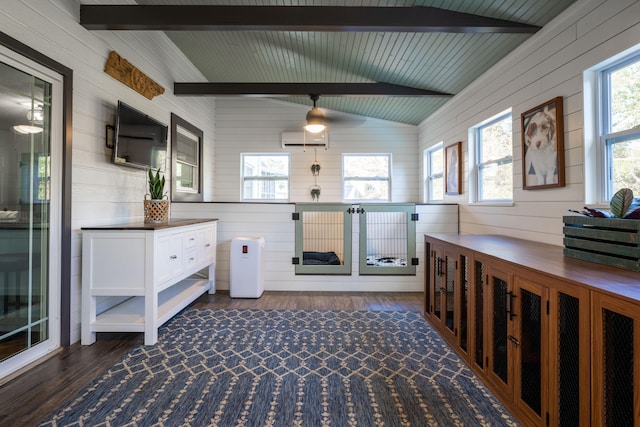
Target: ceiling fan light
(315,127)
(26,129)
(315,121)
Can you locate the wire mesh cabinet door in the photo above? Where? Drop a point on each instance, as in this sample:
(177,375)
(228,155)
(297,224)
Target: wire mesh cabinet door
(616,361)
(570,355)
(387,239)
(323,238)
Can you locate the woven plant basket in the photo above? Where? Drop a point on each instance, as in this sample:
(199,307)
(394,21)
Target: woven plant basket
(155,211)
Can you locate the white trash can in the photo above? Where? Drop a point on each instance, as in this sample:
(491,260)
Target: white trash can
(246,277)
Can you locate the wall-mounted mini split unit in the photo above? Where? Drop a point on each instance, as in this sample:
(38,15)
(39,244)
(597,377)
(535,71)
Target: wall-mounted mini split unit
(304,140)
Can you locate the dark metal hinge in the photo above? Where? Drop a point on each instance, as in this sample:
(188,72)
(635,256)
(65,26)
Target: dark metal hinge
(295,216)
(295,260)
(415,217)
(415,261)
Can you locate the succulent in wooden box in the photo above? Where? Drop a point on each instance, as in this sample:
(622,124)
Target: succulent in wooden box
(622,205)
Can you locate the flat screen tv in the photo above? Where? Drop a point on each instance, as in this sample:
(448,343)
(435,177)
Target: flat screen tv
(140,141)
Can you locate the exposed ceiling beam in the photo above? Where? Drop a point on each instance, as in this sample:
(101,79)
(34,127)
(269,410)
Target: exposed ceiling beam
(291,18)
(297,89)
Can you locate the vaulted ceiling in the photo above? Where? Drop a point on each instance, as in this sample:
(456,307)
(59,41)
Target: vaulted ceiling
(337,49)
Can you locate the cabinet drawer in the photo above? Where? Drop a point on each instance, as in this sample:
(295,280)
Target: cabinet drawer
(190,239)
(190,258)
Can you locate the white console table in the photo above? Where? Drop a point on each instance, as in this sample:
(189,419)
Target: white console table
(150,267)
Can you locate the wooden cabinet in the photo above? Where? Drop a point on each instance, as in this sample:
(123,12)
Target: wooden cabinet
(143,274)
(448,294)
(555,338)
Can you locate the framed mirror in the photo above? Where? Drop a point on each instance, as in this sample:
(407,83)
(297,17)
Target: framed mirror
(186,161)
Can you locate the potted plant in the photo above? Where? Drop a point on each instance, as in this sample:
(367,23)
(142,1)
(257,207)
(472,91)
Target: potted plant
(156,203)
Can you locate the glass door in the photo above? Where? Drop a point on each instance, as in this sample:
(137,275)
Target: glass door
(30,171)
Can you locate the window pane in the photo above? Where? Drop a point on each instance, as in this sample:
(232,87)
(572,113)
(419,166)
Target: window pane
(625,164)
(269,165)
(437,188)
(495,165)
(366,190)
(366,166)
(186,178)
(496,182)
(495,140)
(436,164)
(265,177)
(266,189)
(366,177)
(625,97)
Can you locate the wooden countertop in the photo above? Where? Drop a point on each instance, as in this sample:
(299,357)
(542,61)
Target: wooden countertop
(144,226)
(549,260)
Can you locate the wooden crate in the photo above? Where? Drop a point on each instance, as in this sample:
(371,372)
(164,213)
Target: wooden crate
(609,241)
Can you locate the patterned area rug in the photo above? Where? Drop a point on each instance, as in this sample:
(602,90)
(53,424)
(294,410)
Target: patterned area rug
(231,367)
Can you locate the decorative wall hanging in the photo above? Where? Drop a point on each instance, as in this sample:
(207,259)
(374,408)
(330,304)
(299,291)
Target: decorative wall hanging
(453,168)
(543,146)
(126,73)
(315,171)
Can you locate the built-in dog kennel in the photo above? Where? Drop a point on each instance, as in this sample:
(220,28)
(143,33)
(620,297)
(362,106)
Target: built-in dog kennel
(384,239)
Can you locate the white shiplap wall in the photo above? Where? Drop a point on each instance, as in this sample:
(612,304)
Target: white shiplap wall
(549,64)
(102,192)
(249,125)
(274,223)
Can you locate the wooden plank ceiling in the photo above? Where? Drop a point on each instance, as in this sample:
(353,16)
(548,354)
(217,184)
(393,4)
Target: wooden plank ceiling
(430,57)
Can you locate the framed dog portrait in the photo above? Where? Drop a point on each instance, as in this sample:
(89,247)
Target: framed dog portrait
(453,169)
(543,146)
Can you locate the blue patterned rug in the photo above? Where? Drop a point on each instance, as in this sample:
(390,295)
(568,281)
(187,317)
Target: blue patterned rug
(232,367)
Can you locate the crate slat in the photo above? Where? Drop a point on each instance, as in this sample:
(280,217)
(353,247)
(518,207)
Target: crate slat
(610,241)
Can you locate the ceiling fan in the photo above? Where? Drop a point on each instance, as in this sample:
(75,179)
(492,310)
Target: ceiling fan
(318,120)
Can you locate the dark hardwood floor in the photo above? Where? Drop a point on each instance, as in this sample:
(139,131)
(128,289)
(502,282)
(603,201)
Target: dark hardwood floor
(27,399)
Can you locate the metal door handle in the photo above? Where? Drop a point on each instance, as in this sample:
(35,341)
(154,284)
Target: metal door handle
(510,305)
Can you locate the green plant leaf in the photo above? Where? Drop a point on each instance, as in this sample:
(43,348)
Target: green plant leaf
(621,202)
(156,185)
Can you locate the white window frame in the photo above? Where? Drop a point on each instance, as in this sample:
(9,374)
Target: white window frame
(364,178)
(606,137)
(286,177)
(429,176)
(475,166)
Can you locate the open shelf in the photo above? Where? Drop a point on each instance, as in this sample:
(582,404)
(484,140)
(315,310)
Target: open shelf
(128,316)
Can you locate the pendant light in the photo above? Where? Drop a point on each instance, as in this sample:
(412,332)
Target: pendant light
(315,118)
